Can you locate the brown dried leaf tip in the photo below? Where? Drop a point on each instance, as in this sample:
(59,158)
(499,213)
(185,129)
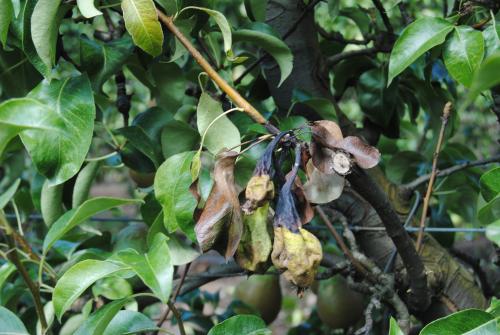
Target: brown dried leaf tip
(220,224)
(331,152)
(260,188)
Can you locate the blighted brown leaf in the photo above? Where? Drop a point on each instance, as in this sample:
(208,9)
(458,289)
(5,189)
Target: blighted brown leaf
(365,155)
(220,224)
(327,133)
(304,208)
(322,158)
(322,188)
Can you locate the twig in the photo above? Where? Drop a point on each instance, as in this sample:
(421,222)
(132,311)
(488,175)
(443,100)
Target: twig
(122,98)
(164,316)
(287,34)
(427,198)
(14,258)
(404,14)
(409,187)
(359,267)
(223,85)
(384,16)
(333,60)
(178,316)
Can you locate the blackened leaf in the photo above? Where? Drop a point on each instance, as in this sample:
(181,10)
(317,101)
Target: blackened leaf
(220,221)
(365,155)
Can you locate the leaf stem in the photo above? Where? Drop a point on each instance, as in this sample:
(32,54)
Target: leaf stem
(444,122)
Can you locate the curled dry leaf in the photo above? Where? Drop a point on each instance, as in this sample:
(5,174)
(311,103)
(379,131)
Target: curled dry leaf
(365,155)
(327,133)
(322,188)
(220,223)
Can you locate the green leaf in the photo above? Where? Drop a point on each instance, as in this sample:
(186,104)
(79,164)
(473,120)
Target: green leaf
(87,8)
(129,322)
(171,7)
(322,106)
(180,253)
(490,212)
(112,288)
(6,16)
(463,53)
(141,21)
(494,308)
(77,279)
(221,21)
(170,86)
(78,215)
(222,133)
(10,323)
(491,38)
(155,268)
(44,30)
(5,271)
(102,60)
(241,325)
(256,9)
(9,193)
(177,137)
(417,38)
(83,183)
(263,36)
(56,123)
(487,76)
(138,138)
(464,322)
(493,232)
(394,328)
(490,183)
(171,187)
(100,320)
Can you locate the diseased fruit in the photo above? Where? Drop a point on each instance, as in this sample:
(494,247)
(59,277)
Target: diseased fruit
(263,294)
(338,305)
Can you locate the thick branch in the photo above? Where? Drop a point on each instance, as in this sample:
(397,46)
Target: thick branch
(369,190)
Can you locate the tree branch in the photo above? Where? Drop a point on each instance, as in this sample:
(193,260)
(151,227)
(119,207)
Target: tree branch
(407,189)
(427,198)
(419,292)
(384,16)
(333,60)
(221,83)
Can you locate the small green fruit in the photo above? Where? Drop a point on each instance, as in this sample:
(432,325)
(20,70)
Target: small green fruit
(338,305)
(263,294)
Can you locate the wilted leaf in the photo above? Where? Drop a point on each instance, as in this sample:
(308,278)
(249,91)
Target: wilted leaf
(220,221)
(322,188)
(463,53)
(222,133)
(417,38)
(141,21)
(365,155)
(327,133)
